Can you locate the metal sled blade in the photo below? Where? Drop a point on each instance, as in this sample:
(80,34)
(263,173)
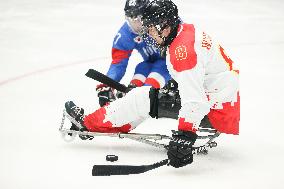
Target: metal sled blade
(149,139)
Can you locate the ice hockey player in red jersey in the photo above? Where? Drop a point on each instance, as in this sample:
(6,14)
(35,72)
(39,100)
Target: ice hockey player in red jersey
(208,85)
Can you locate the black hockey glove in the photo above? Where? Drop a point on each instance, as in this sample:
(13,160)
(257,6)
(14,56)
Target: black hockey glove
(105,94)
(120,94)
(180,148)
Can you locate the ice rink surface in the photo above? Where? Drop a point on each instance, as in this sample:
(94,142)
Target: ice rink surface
(46,46)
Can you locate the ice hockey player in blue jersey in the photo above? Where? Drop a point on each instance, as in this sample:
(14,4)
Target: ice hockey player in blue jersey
(151,71)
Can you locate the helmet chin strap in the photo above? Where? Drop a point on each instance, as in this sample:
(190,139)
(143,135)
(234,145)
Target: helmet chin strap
(169,39)
(160,31)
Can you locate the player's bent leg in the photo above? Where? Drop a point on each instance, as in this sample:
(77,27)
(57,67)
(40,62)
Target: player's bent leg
(159,74)
(155,80)
(120,114)
(138,80)
(142,70)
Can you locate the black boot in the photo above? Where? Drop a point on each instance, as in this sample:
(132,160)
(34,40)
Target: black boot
(77,114)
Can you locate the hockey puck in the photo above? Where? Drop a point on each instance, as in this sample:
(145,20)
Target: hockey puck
(111,158)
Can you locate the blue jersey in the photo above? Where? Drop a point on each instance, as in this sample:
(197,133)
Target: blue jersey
(124,43)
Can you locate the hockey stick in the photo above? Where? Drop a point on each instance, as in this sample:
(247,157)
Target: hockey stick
(108,170)
(98,76)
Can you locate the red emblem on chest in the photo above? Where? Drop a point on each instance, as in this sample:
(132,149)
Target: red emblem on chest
(182,52)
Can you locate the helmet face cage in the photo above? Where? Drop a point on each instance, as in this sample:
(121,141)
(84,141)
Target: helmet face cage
(133,12)
(150,41)
(160,14)
(135,23)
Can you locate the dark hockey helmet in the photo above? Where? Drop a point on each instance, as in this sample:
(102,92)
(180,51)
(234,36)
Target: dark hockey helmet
(134,8)
(160,13)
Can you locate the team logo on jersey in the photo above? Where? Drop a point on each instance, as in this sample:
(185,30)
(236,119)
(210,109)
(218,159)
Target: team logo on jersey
(181,52)
(138,39)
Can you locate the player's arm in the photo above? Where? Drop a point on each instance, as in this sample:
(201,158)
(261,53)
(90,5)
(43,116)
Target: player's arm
(121,51)
(188,71)
(122,48)
(119,63)
(194,102)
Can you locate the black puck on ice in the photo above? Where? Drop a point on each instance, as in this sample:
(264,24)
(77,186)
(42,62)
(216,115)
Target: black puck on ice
(111,158)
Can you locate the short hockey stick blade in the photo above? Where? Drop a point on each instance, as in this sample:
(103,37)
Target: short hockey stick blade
(108,170)
(98,76)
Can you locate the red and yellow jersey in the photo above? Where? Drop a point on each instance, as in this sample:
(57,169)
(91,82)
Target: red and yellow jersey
(208,82)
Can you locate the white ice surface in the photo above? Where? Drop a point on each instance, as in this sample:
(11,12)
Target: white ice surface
(46,46)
